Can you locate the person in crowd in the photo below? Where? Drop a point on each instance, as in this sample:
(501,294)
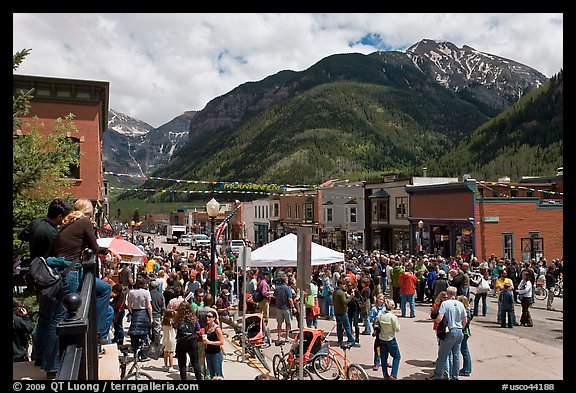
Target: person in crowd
(500,282)
(140,306)
(264,288)
(223,305)
(198,299)
(213,339)
(187,337)
(441,283)
(353,308)
(252,284)
(465,272)
(366,296)
(284,306)
(449,350)
(525,290)
(191,286)
(457,281)
(41,233)
(407,282)
(507,306)
(341,299)
(466,369)
(118,303)
(482,283)
(161,280)
(430,279)
(378,307)
(434,309)
(75,234)
(420,271)
(22,327)
(389,326)
(397,270)
(158,308)
(169,340)
(328,293)
(312,311)
(550,284)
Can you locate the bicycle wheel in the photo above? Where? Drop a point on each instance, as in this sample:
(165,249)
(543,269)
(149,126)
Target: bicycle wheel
(306,375)
(261,358)
(325,367)
(540,293)
(138,375)
(355,372)
(279,367)
(557,290)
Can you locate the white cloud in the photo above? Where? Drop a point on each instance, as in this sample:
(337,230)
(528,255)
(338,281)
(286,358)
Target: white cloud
(160,65)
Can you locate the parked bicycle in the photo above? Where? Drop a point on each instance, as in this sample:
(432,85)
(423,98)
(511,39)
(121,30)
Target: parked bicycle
(332,365)
(559,288)
(285,370)
(540,292)
(135,371)
(251,349)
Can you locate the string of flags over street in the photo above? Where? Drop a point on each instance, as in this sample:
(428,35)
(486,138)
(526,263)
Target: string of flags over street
(223,187)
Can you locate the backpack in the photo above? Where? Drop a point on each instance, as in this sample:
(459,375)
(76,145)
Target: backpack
(257,296)
(43,280)
(186,331)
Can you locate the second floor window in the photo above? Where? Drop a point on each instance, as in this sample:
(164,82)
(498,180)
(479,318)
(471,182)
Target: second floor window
(308,212)
(351,215)
(402,207)
(328,215)
(380,211)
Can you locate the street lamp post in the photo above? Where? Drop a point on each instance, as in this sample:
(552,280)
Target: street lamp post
(421,226)
(212,208)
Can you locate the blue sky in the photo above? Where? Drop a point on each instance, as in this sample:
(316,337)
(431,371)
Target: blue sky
(161,65)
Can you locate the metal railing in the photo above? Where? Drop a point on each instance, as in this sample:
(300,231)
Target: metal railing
(77,334)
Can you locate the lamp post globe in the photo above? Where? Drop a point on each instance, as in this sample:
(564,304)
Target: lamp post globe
(421,226)
(212,209)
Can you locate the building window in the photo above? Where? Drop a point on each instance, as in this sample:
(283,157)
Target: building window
(288,211)
(266,212)
(351,215)
(380,211)
(255,211)
(514,193)
(401,207)
(74,169)
(507,245)
(297,211)
(534,235)
(308,212)
(529,193)
(328,215)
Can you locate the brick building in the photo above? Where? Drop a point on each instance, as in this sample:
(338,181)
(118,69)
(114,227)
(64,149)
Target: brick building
(88,100)
(483,219)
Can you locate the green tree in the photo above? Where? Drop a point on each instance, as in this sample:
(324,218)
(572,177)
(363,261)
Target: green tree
(40,162)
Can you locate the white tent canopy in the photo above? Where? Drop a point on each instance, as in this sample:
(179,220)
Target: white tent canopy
(283,252)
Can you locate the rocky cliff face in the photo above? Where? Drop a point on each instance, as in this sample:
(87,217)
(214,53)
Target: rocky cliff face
(134,147)
(493,80)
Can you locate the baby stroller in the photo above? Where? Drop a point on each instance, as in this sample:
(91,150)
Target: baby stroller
(256,331)
(313,341)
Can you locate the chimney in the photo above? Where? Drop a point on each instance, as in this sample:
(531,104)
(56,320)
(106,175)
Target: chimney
(424,171)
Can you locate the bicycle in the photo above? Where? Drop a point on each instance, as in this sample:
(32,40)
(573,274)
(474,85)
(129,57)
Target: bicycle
(283,370)
(332,365)
(540,292)
(252,350)
(135,372)
(559,288)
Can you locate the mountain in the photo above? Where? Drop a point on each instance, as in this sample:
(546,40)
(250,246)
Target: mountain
(134,147)
(526,139)
(493,80)
(348,115)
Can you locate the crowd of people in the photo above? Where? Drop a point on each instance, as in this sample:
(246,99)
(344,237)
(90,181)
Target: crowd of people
(167,303)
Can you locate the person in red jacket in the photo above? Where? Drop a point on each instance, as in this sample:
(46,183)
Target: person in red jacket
(407,281)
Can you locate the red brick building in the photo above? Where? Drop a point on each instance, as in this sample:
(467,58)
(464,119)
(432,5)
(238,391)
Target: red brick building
(88,100)
(484,219)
